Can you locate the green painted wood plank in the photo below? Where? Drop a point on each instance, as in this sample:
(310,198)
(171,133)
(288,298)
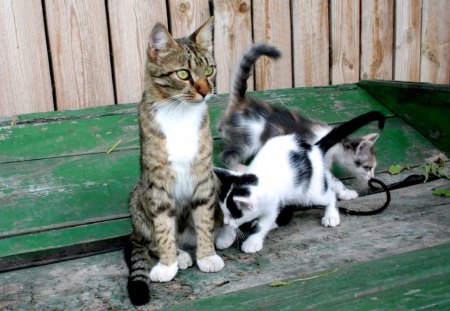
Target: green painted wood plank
(409,281)
(425,106)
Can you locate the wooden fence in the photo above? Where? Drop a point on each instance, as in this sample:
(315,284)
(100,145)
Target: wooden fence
(68,54)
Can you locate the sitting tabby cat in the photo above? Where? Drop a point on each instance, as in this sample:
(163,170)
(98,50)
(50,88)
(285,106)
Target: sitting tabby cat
(249,122)
(286,171)
(176,188)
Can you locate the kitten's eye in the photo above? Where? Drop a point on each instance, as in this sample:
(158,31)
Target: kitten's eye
(367,168)
(183,74)
(209,71)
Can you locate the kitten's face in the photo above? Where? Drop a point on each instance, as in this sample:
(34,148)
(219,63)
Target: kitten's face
(182,69)
(364,160)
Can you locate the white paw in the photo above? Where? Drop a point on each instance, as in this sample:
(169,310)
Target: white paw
(330,220)
(211,263)
(163,273)
(184,260)
(347,194)
(225,237)
(252,245)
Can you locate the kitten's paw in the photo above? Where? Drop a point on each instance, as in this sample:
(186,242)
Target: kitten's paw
(347,194)
(163,273)
(225,237)
(252,245)
(331,221)
(211,263)
(184,260)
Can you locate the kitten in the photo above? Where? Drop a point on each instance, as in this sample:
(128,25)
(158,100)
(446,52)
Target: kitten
(176,188)
(249,122)
(286,171)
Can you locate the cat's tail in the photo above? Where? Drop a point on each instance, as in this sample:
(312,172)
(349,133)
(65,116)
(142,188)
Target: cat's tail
(137,259)
(343,130)
(242,73)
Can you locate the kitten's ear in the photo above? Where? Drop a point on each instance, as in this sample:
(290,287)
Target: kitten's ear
(371,137)
(161,41)
(244,202)
(363,150)
(203,36)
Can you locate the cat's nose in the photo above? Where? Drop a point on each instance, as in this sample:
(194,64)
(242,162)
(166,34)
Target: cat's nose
(202,88)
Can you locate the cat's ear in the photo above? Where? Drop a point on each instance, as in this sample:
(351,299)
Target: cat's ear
(161,41)
(244,202)
(371,137)
(363,151)
(203,36)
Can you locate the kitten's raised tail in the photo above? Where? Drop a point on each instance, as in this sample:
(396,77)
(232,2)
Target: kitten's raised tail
(239,84)
(341,131)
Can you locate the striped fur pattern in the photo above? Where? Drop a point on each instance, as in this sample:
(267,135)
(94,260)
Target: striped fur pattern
(176,190)
(249,123)
(286,174)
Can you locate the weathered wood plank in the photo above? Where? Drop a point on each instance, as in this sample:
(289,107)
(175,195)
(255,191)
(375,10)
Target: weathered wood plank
(272,25)
(407,39)
(130,23)
(435,64)
(25,84)
(78,39)
(377,37)
(232,36)
(187,15)
(345,42)
(311,41)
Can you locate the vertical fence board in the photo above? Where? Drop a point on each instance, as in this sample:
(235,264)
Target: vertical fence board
(407,40)
(187,15)
(345,21)
(311,41)
(130,24)
(78,36)
(232,36)
(25,84)
(435,54)
(272,24)
(377,39)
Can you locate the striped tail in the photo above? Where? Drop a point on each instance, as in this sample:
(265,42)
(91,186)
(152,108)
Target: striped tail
(138,261)
(239,84)
(343,130)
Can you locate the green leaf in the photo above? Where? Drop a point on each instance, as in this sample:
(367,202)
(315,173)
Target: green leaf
(397,169)
(442,192)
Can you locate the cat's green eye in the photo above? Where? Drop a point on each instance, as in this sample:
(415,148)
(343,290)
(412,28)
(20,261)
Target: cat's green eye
(209,71)
(183,74)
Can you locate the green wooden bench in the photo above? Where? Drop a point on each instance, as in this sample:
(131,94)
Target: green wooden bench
(65,177)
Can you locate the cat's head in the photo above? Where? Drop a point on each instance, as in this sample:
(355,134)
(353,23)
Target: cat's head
(361,158)
(181,69)
(235,197)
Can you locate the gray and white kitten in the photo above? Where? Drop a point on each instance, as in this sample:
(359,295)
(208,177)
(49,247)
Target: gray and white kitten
(286,171)
(249,123)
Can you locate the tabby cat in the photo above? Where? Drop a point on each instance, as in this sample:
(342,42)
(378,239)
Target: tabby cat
(286,172)
(176,188)
(249,122)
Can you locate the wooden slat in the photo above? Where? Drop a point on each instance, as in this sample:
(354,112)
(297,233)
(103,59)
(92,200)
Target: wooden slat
(345,41)
(272,24)
(130,23)
(25,84)
(377,37)
(78,37)
(435,60)
(187,15)
(311,41)
(408,25)
(232,36)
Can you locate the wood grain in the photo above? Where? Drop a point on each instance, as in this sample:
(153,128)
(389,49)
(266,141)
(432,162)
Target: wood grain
(377,37)
(78,37)
(311,42)
(25,84)
(130,24)
(345,22)
(408,26)
(187,15)
(435,52)
(232,36)
(272,24)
